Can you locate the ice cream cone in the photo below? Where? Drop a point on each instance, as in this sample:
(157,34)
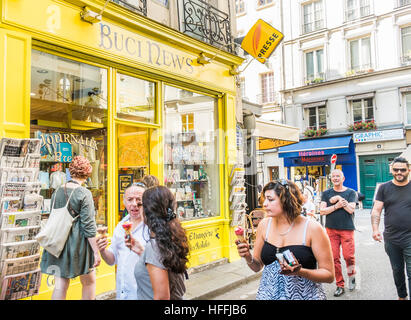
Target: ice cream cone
(239,232)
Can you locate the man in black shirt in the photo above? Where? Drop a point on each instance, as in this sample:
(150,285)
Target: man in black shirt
(395,197)
(338,205)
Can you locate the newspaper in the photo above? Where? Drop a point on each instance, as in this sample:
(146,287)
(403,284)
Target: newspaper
(32,202)
(10,204)
(18,175)
(20,219)
(20,265)
(12,162)
(18,234)
(32,161)
(11,147)
(18,249)
(20,285)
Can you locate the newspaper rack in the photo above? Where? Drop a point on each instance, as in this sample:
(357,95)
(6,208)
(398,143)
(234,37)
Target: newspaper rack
(20,218)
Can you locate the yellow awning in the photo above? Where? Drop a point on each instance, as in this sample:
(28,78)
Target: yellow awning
(273,135)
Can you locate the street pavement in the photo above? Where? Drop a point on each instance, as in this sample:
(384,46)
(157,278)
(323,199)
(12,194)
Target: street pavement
(374,276)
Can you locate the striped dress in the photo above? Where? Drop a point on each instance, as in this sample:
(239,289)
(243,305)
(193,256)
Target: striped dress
(276,286)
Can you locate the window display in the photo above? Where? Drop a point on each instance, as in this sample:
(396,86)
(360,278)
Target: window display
(68,115)
(190,151)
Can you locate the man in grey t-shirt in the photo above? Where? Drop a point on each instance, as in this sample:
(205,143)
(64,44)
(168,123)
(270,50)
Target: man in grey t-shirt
(395,197)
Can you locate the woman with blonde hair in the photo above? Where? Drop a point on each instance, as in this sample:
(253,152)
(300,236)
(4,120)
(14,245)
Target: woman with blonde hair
(80,255)
(284,228)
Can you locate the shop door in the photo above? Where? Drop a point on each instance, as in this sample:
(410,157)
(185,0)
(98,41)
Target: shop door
(374,169)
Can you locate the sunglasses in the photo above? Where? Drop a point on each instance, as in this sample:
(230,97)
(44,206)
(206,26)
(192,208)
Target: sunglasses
(138,184)
(403,170)
(283,182)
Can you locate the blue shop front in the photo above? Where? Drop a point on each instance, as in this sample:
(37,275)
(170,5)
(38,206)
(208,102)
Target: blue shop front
(310,160)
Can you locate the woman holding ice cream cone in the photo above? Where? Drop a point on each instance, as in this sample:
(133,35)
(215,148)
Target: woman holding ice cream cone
(294,251)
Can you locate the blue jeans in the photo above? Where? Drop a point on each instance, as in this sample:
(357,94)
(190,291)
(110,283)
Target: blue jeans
(400,256)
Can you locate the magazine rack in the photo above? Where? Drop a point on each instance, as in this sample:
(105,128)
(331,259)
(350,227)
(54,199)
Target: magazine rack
(20,218)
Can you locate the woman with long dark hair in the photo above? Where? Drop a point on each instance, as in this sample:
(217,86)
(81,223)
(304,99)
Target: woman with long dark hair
(163,263)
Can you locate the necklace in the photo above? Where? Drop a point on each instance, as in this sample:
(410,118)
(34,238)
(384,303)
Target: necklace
(289,229)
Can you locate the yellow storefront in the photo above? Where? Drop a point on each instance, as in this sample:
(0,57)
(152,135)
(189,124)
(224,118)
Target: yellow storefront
(129,94)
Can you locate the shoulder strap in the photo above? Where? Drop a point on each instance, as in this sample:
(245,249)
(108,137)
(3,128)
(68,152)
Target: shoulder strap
(268,229)
(54,200)
(305,230)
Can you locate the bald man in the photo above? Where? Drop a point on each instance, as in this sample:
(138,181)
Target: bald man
(338,205)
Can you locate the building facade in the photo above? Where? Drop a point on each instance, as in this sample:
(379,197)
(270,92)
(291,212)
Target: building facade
(344,71)
(137,87)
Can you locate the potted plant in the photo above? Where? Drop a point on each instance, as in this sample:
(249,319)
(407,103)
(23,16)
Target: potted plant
(363,126)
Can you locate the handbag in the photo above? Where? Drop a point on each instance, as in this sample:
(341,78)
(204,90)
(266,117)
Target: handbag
(53,236)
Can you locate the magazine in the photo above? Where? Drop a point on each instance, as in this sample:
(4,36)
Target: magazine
(20,219)
(20,285)
(19,234)
(10,204)
(18,249)
(20,265)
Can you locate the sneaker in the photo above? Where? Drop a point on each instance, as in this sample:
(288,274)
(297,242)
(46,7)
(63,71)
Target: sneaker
(339,292)
(351,283)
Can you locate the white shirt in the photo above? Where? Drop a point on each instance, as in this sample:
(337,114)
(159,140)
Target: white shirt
(125,259)
(309,206)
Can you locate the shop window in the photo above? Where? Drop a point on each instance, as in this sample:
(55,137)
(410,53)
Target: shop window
(360,54)
(317,118)
(191,167)
(363,110)
(408,103)
(133,157)
(135,99)
(312,16)
(68,113)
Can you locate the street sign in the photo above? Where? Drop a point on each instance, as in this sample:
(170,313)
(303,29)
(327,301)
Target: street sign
(261,40)
(334,159)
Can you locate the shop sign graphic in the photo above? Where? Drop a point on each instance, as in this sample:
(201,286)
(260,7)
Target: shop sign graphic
(203,239)
(155,53)
(395,134)
(261,40)
(310,153)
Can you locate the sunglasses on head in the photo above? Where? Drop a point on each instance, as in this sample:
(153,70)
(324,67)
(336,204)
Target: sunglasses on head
(403,170)
(283,182)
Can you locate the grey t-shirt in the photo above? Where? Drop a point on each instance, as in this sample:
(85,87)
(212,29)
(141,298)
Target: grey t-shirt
(152,256)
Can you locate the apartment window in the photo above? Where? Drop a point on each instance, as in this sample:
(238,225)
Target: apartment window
(267,87)
(242,87)
(187,122)
(406,45)
(239,6)
(261,3)
(403,2)
(408,103)
(357,9)
(317,117)
(314,66)
(313,16)
(360,54)
(363,110)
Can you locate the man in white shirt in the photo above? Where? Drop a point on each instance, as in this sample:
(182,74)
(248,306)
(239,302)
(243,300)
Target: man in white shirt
(118,254)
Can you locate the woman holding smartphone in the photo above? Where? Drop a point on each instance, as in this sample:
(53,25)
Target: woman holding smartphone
(284,228)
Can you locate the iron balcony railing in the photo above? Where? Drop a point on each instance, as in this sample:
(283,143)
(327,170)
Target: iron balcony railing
(204,22)
(139,6)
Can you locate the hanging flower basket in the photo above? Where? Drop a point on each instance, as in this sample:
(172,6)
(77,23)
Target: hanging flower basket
(315,133)
(368,125)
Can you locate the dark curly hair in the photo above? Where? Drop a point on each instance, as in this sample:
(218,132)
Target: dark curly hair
(290,197)
(159,205)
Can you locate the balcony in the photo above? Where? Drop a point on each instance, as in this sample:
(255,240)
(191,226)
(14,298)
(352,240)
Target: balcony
(314,78)
(138,6)
(359,70)
(206,23)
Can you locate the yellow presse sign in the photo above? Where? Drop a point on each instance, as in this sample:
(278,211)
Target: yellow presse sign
(261,40)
